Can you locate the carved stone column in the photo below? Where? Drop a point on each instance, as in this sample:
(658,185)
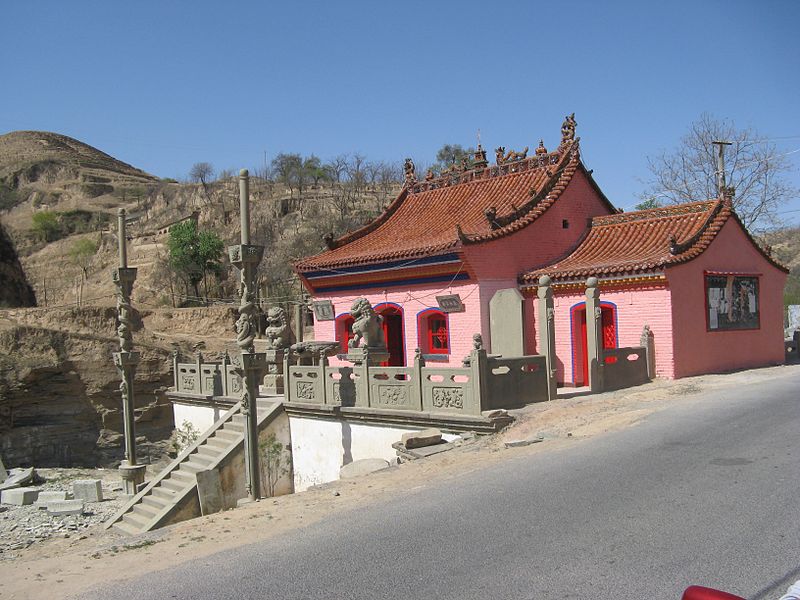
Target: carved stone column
(547,333)
(594,334)
(647,341)
(246,257)
(126,361)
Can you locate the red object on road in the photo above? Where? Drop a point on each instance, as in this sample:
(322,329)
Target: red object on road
(697,592)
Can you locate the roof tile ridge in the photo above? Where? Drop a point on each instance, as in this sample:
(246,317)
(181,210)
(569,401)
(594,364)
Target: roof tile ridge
(701,239)
(371,258)
(653,214)
(363,230)
(564,172)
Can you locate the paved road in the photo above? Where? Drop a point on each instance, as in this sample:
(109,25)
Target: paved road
(703,492)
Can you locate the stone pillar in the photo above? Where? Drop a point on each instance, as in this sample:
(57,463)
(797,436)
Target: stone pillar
(273,381)
(126,361)
(647,341)
(547,333)
(175,361)
(246,258)
(594,334)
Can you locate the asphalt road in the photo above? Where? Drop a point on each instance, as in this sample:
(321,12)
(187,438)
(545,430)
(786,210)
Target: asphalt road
(704,492)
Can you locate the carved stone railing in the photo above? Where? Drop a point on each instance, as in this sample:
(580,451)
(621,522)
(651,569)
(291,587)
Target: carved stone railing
(487,383)
(625,367)
(206,379)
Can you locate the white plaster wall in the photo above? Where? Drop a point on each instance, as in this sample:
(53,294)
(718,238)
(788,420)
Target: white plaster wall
(284,483)
(201,417)
(321,447)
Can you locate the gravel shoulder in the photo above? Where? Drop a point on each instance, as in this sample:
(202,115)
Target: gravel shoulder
(60,567)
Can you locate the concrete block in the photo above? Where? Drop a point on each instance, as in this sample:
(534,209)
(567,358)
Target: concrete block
(88,490)
(18,477)
(506,324)
(46,497)
(21,496)
(63,508)
(209,490)
(3,472)
(362,467)
(420,439)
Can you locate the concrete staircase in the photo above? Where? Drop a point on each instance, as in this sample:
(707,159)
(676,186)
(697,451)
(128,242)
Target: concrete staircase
(172,495)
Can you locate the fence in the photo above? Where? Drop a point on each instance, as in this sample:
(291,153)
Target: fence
(201,378)
(487,383)
(624,367)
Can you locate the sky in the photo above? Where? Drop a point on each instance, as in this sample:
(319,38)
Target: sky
(165,84)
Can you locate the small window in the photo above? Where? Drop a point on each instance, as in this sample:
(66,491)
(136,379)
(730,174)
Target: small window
(565,224)
(344,331)
(732,302)
(434,332)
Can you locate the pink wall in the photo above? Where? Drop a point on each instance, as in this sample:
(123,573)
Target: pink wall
(413,300)
(700,351)
(634,309)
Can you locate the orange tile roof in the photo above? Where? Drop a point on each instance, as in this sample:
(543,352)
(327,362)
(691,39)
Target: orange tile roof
(642,241)
(430,218)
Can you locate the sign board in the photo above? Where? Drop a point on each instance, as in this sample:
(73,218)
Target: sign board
(323,310)
(450,303)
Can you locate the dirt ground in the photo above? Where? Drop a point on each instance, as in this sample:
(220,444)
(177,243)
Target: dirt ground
(63,567)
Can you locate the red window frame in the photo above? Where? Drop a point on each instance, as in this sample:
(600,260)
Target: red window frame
(344,330)
(434,332)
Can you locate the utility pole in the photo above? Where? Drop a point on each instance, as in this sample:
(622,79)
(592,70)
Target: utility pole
(126,361)
(246,257)
(721,185)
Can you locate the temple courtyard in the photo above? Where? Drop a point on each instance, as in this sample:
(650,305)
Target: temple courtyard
(548,433)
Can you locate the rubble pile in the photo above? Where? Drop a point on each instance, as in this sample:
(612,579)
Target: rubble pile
(24,525)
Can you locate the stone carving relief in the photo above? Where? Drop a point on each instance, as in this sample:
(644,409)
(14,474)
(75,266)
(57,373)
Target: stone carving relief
(305,390)
(187,383)
(448,397)
(392,395)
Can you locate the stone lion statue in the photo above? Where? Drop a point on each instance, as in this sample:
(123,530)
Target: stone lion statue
(278,334)
(367,327)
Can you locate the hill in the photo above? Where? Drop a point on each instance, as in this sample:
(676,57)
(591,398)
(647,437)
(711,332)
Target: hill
(49,169)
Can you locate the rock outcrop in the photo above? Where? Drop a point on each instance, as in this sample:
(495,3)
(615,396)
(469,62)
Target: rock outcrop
(15,291)
(59,394)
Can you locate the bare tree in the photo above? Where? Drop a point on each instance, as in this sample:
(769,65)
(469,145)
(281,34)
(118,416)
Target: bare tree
(753,167)
(203,173)
(337,167)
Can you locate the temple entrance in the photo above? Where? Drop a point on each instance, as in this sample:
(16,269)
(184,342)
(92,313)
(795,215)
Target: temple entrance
(394,334)
(580,357)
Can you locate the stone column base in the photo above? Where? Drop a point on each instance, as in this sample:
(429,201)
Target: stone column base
(132,477)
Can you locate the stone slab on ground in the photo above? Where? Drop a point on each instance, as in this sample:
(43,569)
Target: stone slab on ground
(524,442)
(420,439)
(425,452)
(48,496)
(89,490)
(362,467)
(20,496)
(61,508)
(18,477)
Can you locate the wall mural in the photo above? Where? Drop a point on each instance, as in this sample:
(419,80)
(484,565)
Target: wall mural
(732,302)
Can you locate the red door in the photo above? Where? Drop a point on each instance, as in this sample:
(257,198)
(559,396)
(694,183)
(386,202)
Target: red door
(609,324)
(393,333)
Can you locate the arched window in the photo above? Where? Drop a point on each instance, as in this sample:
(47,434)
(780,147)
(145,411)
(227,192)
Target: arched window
(344,330)
(434,332)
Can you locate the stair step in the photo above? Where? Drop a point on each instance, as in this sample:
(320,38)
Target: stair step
(146,510)
(218,444)
(136,520)
(232,427)
(190,467)
(127,528)
(164,493)
(230,435)
(202,455)
(154,501)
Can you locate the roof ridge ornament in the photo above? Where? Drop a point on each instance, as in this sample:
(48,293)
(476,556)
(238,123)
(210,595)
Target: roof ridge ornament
(540,149)
(568,129)
(410,172)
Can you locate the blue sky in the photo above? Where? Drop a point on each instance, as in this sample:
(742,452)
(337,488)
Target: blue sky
(162,85)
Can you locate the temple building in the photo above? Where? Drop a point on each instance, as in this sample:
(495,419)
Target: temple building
(432,262)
